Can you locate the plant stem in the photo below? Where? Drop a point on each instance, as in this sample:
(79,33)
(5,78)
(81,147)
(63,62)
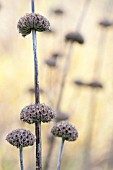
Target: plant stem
(21,158)
(65,72)
(37,98)
(83,14)
(60,154)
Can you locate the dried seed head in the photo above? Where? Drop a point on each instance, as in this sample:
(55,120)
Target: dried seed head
(51,62)
(32,22)
(21,138)
(80,83)
(61,116)
(74,37)
(105,23)
(36,113)
(32,90)
(58,11)
(95,84)
(65,130)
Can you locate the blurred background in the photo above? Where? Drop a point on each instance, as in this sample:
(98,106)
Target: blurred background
(87,96)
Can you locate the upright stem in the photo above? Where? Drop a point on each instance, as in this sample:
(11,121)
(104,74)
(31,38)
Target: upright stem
(21,158)
(83,14)
(37,98)
(60,154)
(65,71)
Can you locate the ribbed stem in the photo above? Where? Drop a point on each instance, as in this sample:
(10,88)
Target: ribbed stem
(60,154)
(37,98)
(21,158)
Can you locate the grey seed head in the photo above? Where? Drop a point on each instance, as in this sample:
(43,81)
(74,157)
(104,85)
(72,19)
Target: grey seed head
(37,112)
(20,138)
(65,130)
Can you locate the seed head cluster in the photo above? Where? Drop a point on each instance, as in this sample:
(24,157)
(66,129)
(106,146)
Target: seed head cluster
(32,21)
(65,130)
(37,112)
(21,138)
(74,37)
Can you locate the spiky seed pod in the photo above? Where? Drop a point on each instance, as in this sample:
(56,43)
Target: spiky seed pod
(21,138)
(74,37)
(95,84)
(36,113)
(61,116)
(51,62)
(65,130)
(32,21)
(105,23)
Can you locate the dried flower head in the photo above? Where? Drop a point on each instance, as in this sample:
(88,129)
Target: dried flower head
(80,83)
(74,37)
(51,62)
(58,11)
(65,131)
(21,138)
(105,23)
(61,116)
(95,84)
(32,22)
(32,90)
(36,113)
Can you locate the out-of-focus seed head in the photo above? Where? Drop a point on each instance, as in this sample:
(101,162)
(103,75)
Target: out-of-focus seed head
(32,90)
(65,131)
(80,83)
(51,62)
(56,55)
(58,11)
(74,37)
(105,23)
(61,116)
(32,22)
(95,84)
(36,113)
(21,138)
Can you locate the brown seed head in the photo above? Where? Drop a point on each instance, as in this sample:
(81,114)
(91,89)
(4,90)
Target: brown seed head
(32,22)
(74,37)
(65,131)
(36,113)
(21,138)
(105,23)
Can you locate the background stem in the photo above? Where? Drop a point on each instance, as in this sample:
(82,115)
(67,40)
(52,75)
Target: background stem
(37,98)
(21,158)
(60,154)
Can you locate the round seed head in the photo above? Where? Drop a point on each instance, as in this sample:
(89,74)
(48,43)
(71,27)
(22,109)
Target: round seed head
(105,23)
(65,131)
(21,138)
(74,37)
(36,113)
(58,11)
(51,62)
(32,22)
(61,116)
